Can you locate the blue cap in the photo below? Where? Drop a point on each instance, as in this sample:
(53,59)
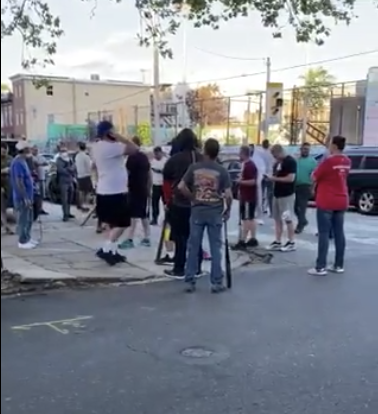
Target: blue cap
(104,128)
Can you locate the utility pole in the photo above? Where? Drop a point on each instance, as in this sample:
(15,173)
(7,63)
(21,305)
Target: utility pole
(156,95)
(267,108)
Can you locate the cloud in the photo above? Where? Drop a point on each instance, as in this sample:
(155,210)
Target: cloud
(118,54)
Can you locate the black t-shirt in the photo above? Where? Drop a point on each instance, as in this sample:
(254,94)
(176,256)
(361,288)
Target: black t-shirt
(138,168)
(282,169)
(175,169)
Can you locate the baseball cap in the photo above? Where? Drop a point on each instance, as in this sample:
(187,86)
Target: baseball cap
(103,128)
(22,145)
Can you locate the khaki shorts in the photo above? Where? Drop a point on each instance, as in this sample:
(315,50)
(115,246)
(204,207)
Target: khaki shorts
(283,208)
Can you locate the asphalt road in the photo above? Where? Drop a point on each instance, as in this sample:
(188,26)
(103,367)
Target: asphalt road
(279,343)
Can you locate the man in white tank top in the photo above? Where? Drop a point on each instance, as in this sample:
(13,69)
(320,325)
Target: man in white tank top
(112,204)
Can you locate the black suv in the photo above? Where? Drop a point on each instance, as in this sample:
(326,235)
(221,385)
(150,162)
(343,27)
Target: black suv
(363,178)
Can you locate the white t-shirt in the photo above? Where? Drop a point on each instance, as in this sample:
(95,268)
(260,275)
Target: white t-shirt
(259,161)
(83,165)
(109,159)
(157,167)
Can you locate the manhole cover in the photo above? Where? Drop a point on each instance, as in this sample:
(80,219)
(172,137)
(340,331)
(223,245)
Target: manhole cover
(197,352)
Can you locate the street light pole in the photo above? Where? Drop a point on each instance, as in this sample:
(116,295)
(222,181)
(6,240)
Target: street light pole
(156,94)
(267,109)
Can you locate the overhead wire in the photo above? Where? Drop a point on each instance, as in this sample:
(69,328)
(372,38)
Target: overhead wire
(233,77)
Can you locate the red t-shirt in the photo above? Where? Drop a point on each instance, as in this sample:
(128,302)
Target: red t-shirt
(247,193)
(331,183)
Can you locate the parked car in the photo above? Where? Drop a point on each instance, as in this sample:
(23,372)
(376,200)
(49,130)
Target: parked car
(52,187)
(233,166)
(363,178)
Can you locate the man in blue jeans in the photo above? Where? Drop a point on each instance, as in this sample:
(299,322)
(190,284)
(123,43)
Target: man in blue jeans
(22,188)
(207,184)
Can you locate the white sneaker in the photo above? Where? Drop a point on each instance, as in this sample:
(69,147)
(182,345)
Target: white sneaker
(26,246)
(35,242)
(335,269)
(317,272)
(260,222)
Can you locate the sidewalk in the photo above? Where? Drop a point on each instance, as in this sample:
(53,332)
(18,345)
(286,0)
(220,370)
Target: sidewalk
(67,251)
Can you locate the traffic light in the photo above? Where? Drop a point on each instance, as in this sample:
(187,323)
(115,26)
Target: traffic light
(278,103)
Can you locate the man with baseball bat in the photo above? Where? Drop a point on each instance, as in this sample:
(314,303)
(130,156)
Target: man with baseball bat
(207,184)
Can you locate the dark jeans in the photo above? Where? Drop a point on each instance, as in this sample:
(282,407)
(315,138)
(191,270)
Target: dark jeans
(157,195)
(179,220)
(330,222)
(302,197)
(66,195)
(24,222)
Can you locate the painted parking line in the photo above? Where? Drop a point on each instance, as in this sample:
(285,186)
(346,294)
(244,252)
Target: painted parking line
(59,326)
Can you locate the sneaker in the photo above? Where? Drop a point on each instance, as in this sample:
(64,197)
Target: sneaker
(275,246)
(190,288)
(35,242)
(121,258)
(288,247)
(240,245)
(145,243)
(218,289)
(206,256)
(252,243)
(153,223)
(174,274)
(260,222)
(317,272)
(26,246)
(127,244)
(335,269)
(108,257)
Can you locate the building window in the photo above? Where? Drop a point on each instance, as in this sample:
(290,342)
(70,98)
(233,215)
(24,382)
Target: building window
(49,90)
(21,118)
(17,119)
(50,118)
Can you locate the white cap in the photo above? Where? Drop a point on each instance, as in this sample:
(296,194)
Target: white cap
(22,145)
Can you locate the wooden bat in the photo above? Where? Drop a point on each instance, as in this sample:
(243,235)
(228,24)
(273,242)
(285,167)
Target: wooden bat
(227,258)
(161,242)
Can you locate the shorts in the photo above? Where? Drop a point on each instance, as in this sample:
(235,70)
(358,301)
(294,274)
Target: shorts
(247,210)
(113,210)
(283,208)
(85,185)
(138,206)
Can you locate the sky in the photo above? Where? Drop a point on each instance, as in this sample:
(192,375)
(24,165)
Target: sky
(106,44)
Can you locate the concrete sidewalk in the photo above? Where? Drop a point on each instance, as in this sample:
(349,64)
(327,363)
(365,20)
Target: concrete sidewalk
(67,251)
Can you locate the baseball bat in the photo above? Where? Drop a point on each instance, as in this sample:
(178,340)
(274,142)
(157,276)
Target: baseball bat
(227,258)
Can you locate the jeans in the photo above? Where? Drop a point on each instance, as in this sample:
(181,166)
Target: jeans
(157,195)
(66,194)
(302,197)
(24,222)
(179,220)
(330,222)
(213,224)
(268,195)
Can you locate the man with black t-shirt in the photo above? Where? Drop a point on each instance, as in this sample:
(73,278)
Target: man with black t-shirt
(283,180)
(139,182)
(178,206)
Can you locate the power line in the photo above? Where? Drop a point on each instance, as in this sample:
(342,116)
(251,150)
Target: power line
(207,52)
(246,75)
(284,69)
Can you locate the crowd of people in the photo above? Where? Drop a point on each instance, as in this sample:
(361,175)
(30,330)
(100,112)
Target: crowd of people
(196,191)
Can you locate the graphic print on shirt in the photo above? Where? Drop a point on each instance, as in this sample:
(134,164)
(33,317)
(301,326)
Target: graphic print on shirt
(206,184)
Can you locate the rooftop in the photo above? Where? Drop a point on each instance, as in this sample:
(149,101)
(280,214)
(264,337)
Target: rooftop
(93,79)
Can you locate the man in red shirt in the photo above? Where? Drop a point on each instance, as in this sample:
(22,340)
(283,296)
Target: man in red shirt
(247,200)
(332,201)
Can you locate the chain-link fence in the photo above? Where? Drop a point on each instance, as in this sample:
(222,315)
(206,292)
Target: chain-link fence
(308,113)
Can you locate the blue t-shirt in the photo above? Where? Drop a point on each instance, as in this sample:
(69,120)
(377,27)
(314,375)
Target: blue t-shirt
(19,170)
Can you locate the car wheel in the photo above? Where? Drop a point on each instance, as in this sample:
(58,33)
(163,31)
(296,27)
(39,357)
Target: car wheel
(367,202)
